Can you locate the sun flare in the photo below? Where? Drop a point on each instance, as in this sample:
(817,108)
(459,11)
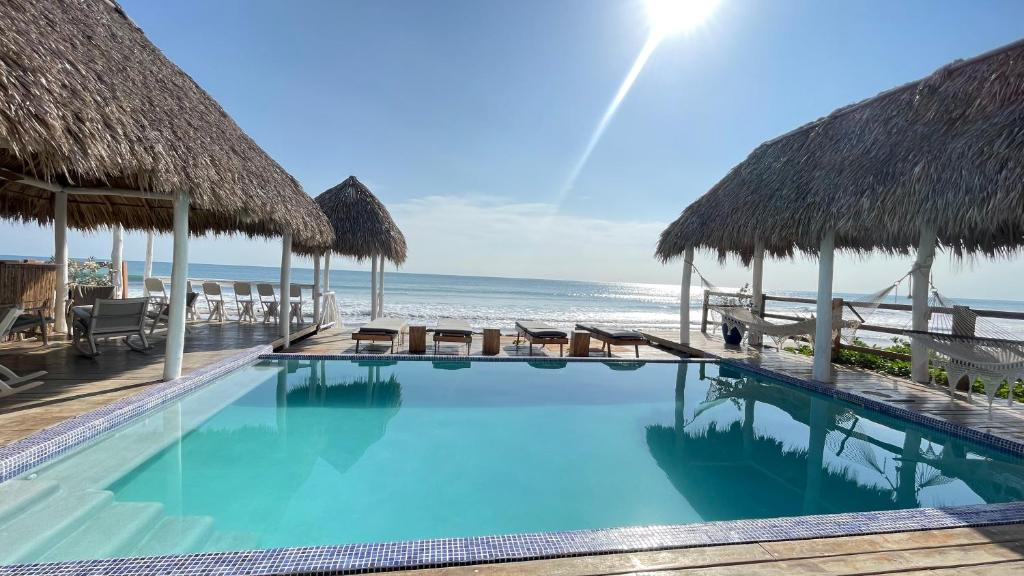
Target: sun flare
(670,17)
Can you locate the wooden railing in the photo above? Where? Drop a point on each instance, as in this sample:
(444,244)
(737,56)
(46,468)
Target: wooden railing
(962,320)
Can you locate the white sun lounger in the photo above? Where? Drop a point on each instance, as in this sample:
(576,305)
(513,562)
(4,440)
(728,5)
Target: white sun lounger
(11,383)
(457,331)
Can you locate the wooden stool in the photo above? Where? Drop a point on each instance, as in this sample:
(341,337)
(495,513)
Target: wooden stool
(580,343)
(492,341)
(417,339)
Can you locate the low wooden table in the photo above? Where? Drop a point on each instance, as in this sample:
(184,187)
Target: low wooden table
(580,343)
(417,339)
(492,341)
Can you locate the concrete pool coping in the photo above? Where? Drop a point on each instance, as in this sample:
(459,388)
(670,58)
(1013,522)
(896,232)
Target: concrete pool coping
(49,444)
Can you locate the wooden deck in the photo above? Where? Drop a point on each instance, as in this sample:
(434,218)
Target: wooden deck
(75,384)
(991,551)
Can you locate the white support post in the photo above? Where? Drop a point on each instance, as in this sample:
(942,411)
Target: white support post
(60,257)
(316,289)
(919,293)
(756,289)
(380,290)
(286,289)
(179,280)
(684,297)
(116,257)
(327,271)
(373,287)
(147,267)
(823,326)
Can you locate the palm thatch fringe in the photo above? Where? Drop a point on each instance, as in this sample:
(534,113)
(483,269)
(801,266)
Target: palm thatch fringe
(87,101)
(362,225)
(943,151)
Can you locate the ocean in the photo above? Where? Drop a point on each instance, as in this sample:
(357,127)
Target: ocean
(499,302)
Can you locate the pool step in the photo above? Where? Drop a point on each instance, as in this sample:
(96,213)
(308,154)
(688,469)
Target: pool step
(113,531)
(176,536)
(18,494)
(26,536)
(231,541)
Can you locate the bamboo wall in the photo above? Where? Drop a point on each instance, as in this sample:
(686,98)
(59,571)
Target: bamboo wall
(27,283)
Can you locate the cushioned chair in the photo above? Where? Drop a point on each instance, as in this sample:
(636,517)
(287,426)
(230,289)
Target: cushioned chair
(458,331)
(163,313)
(11,383)
(110,319)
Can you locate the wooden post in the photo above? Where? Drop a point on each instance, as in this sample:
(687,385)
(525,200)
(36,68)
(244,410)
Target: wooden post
(492,341)
(417,339)
(684,296)
(837,317)
(919,293)
(579,345)
(179,283)
(60,256)
(756,289)
(285,318)
(704,312)
(822,371)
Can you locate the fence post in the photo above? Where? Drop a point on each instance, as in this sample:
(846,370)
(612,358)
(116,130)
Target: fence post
(704,313)
(837,318)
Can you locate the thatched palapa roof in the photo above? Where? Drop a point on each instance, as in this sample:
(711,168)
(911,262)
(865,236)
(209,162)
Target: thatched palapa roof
(87,101)
(362,225)
(944,151)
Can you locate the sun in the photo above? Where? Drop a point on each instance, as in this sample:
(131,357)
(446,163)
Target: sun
(670,17)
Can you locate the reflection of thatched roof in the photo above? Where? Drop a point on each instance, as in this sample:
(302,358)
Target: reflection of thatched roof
(89,102)
(362,225)
(943,151)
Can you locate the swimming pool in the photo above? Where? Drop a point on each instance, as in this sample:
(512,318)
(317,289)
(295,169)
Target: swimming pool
(296,453)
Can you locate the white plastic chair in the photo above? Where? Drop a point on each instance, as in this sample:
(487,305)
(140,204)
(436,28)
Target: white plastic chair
(214,301)
(244,301)
(156,292)
(11,383)
(295,294)
(268,300)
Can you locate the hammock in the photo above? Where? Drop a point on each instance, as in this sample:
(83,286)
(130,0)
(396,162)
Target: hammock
(743,319)
(992,360)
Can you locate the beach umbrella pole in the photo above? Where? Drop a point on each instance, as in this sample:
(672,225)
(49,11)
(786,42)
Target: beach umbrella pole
(179,271)
(919,310)
(684,297)
(285,313)
(60,257)
(823,326)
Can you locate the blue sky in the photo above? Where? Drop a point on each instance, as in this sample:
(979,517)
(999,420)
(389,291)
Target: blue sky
(467,116)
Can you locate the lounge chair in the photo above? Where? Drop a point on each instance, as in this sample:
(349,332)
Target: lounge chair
(614,336)
(110,319)
(268,300)
(380,330)
(457,331)
(33,319)
(161,315)
(541,333)
(214,301)
(11,383)
(244,301)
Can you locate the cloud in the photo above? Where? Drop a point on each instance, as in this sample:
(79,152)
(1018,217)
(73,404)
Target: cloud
(493,236)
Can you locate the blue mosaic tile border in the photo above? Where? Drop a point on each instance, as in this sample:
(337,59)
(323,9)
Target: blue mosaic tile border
(363,558)
(50,443)
(451,357)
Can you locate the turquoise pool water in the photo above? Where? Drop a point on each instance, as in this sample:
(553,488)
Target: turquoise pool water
(296,453)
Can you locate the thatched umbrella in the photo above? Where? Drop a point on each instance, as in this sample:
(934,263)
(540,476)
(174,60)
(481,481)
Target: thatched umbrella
(100,129)
(363,228)
(933,161)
